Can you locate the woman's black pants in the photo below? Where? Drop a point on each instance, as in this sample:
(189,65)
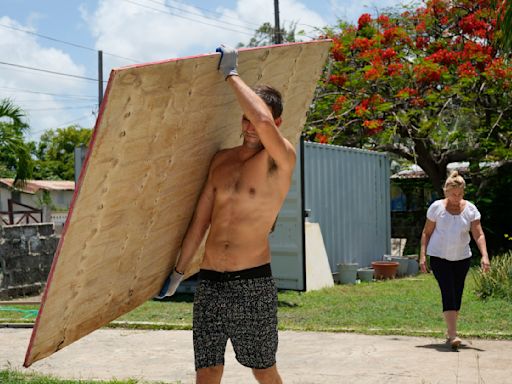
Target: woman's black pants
(450,276)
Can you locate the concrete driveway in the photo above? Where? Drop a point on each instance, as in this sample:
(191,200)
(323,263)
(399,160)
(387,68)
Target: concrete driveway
(303,358)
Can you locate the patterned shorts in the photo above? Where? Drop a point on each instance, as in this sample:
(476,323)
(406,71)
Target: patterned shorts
(241,309)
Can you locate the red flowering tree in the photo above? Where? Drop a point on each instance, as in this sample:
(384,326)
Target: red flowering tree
(429,84)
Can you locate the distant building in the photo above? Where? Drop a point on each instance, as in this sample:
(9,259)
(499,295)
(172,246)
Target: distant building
(411,189)
(60,193)
(31,199)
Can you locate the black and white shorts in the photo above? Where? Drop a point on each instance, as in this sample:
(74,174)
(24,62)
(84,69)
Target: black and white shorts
(240,306)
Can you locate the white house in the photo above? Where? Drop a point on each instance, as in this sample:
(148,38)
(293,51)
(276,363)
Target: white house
(32,194)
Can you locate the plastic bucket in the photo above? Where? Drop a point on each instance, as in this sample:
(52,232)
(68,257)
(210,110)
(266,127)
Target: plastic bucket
(403,264)
(347,273)
(365,274)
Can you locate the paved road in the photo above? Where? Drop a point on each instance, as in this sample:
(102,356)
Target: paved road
(303,358)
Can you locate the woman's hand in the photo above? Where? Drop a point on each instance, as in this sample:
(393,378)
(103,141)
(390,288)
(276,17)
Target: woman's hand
(485,264)
(423,264)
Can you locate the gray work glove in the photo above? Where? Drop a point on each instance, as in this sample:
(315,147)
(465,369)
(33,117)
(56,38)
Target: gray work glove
(170,285)
(228,60)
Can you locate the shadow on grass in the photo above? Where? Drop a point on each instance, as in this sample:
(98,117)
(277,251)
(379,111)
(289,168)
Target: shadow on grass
(287,304)
(178,298)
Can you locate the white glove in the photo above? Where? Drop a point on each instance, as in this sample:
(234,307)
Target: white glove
(228,60)
(170,285)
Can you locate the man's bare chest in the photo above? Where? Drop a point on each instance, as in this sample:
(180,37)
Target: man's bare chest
(251,178)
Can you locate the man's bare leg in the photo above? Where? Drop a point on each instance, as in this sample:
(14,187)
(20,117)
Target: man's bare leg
(268,375)
(210,375)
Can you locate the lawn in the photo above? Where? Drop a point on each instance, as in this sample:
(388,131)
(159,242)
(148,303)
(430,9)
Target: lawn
(16,377)
(408,306)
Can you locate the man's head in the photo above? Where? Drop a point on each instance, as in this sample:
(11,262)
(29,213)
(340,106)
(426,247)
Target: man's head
(271,97)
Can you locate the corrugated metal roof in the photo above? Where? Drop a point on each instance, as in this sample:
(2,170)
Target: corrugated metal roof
(32,186)
(415,171)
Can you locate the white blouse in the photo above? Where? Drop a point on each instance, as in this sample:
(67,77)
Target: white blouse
(450,238)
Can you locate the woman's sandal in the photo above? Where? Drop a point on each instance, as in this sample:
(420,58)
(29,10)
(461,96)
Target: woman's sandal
(454,342)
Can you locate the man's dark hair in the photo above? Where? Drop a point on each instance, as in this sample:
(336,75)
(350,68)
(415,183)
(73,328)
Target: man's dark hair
(271,97)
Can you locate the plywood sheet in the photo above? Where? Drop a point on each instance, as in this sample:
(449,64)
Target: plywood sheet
(159,127)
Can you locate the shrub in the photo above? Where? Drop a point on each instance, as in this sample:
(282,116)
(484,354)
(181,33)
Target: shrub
(497,282)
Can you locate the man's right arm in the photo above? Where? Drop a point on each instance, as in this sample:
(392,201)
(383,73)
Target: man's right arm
(196,230)
(197,227)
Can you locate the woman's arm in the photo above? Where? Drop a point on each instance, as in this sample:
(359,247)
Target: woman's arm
(425,238)
(478,235)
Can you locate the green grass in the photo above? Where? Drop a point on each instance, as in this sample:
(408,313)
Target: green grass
(409,306)
(16,377)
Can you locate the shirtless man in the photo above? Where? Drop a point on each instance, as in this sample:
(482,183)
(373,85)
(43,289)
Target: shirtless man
(237,298)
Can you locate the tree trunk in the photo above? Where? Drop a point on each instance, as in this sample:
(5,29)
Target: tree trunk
(435,170)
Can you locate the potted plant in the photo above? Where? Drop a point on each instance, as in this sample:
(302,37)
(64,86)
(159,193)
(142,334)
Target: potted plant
(385,269)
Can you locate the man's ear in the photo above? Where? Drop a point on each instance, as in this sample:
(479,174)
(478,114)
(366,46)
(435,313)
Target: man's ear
(278,121)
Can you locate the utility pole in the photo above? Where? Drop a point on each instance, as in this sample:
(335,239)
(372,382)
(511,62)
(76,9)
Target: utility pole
(278,39)
(100,78)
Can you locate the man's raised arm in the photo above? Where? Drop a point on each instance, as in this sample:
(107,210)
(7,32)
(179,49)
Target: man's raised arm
(258,113)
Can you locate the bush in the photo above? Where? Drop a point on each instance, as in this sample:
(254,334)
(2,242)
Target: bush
(493,200)
(496,283)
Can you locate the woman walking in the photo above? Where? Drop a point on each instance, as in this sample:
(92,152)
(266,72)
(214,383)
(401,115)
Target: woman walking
(445,239)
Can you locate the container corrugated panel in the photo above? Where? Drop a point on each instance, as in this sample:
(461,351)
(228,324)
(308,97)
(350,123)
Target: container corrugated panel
(347,191)
(286,242)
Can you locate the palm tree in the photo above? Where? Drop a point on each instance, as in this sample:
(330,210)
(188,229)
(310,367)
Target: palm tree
(506,25)
(12,127)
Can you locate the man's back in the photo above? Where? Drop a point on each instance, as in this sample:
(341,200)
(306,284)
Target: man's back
(249,189)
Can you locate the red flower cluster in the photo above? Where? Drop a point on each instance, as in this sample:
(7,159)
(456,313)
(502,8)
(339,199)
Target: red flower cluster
(390,35)
(421,27)
(372,74)
(472,25)
(338,104)
(422,42)
(337,50)
(496,69)
(388,54)
(395,69)
(338,80)
(362,44)
(368,104)
(321,138)
(364,20)
(373,55)
(477,53)
(406,92)
(428,73)
(383,20)
(418,102)
(374,126)
(466,70)
(444,56)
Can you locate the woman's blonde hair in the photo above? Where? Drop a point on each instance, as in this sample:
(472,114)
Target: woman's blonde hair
(454,181)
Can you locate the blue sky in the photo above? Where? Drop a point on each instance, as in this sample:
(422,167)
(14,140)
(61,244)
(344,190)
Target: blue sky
(64,35)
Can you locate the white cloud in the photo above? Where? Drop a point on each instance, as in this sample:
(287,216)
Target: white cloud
(146,31)
(43,111)
(350,11)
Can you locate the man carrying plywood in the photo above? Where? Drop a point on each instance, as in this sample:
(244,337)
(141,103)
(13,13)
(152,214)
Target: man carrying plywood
(237,298)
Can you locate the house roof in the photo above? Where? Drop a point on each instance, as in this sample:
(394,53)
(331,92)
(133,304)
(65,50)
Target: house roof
(32,186)
(415,171)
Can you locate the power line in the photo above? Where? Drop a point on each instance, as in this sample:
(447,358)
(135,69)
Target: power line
(65,42)
(64,124)
(58,108)
(48,71)
(190,19)
(48,93)
(206,10)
